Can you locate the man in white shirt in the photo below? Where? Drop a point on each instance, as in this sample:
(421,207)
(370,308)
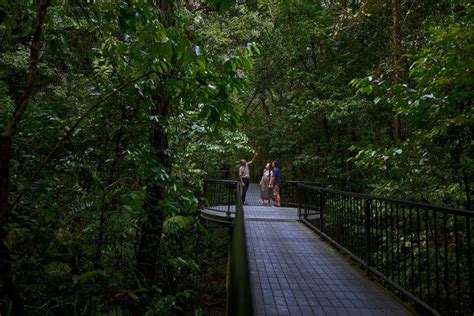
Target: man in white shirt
(244,175)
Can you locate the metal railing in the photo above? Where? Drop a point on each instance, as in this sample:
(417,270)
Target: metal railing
(423,252)
(227,193)
(290,189)
(219,197)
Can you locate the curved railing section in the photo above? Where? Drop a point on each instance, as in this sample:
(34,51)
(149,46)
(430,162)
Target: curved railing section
(224,196)
(423,252)
(219,200)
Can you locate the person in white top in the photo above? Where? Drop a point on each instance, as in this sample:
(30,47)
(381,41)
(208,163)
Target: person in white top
(265,190)
(244,175)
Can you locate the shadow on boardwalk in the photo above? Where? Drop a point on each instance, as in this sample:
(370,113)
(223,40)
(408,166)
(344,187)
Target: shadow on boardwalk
(294,273)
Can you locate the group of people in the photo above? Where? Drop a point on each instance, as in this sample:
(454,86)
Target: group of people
(269,184)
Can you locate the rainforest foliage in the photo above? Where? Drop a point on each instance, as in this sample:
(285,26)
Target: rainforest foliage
(112,113)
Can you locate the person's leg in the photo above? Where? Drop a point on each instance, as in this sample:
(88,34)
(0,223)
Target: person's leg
(268,193)
(277,195)
(270,196)
(244,189)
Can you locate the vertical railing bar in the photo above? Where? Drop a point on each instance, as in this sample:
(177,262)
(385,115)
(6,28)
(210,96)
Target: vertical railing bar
(381,242)
(322,201)
(374,231)
(344,225)
(420,253)
(299,196)
(469,263)
(308,193)
(331,213)
(387,268)
(380,238)
(428,267)
(380,249)
(327,226)
(337,219)
(368,242)
(230,190)
(456,250)
(357,220)
(362,227)
(342,235)
(223,197)
(404,250)
(399,272)
(350,224)
(338,222)
(354,232)
(360,236)
(446,263)
(436,257)
(412,275)
(392,235)
(343,221)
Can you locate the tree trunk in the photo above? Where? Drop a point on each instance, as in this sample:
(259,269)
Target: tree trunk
(152,226)
(149,245)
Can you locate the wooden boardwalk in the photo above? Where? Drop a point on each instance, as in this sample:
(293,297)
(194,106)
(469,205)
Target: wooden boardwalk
(293,272)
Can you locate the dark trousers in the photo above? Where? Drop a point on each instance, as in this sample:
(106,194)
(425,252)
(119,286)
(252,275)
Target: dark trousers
(245,188)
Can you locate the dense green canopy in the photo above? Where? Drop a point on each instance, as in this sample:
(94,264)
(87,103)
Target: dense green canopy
(112,113)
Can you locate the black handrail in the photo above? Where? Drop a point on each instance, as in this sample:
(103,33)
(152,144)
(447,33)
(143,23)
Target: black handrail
(422,251)
(219,197)
(239,294)
(289,191)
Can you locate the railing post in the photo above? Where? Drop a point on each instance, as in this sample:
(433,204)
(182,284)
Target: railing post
(205,189)
(306,198)
(229,190)
(322,202)
(368,237)
(298,196)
